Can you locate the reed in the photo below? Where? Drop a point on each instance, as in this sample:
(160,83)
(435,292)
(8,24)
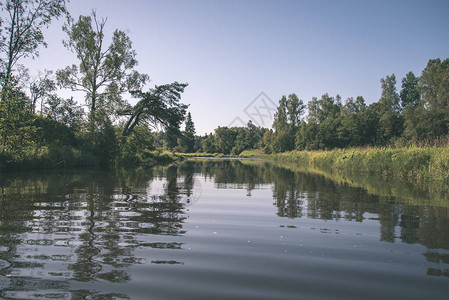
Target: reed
(423,165)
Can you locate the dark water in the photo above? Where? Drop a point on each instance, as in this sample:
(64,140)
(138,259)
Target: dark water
(219,230)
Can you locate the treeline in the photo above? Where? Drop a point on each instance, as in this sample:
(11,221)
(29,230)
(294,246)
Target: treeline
(418,113)
(39,129)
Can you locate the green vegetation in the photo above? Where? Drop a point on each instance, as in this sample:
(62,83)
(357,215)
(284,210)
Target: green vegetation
(419,113)
(403,135)
(59,132)
(113,132)
(422,165)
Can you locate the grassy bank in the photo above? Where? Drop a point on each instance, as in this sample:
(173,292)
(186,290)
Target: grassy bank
(66,157)
(403,191)
(422,165)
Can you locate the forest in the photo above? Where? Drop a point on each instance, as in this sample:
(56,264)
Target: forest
(40,130)
(418,114)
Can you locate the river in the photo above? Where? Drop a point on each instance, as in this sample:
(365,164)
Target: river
(220,229)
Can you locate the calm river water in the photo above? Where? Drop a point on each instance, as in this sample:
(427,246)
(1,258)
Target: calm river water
(220,229)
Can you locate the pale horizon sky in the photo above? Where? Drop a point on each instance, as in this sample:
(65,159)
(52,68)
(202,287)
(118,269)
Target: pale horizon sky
(231,51)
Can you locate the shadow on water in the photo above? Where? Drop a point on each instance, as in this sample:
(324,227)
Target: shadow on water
(92,222)
(60,229)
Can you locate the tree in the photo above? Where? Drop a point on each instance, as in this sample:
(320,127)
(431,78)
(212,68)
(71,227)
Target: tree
(280,121)
(65,111)
(172,134)
(433,83)
(224,139)
(267,141)
(295,110)
(390,122)
(324,108)
(104,74)
(16,120)
(159,106)
(352,125)
(433,86)
(138,146)
(21,34)
(208,144)
(409,93)
(287,120)
(40,88)
(187,140)
(324,124)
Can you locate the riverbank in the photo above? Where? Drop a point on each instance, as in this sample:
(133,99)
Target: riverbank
(422,165)
(66,157)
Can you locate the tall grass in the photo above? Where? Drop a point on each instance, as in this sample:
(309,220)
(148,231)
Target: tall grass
(423,165)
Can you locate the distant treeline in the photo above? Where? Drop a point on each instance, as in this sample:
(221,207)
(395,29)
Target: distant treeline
(418,114)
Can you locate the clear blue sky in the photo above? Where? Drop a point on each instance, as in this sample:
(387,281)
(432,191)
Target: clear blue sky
(231,51)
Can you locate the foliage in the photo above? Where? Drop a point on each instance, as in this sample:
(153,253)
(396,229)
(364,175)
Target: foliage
(49,132)
(187,140)
(60,136)
(40,88)
(422,165)
(116,132)
(287,121)
(103,74)
(21,32)
(233,140)
(159,106)
(101,140)
(208,144)
(419,113)
(224,139)
(64,111)
(16,122)
(410,94)
(137,148)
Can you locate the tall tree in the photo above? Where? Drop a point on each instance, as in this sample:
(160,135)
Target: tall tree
(21,31)
(280,121)
(409,93)
(224,139)
(190,127)
(390,122)
(324,108)
(281,139)
(295,109)
(159,106)
(187,140)
(208,144)
(40,88)
(433,85)
(352,125)
(287,120)
(413,108)
(103,73)
(65,111)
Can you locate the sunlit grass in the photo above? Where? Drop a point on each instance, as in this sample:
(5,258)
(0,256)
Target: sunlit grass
(424,165)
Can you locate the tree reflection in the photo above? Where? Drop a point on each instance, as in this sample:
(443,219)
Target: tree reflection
(84,228)
(91,226)
(302,194)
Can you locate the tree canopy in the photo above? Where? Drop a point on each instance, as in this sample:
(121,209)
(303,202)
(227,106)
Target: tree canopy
(21,28)
(104,73)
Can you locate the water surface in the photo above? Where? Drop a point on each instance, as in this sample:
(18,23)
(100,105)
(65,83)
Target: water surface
(219,229)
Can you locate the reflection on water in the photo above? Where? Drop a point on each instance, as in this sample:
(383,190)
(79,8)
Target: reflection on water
(84,234)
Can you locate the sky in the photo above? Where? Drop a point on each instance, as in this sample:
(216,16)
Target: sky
(240,57)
